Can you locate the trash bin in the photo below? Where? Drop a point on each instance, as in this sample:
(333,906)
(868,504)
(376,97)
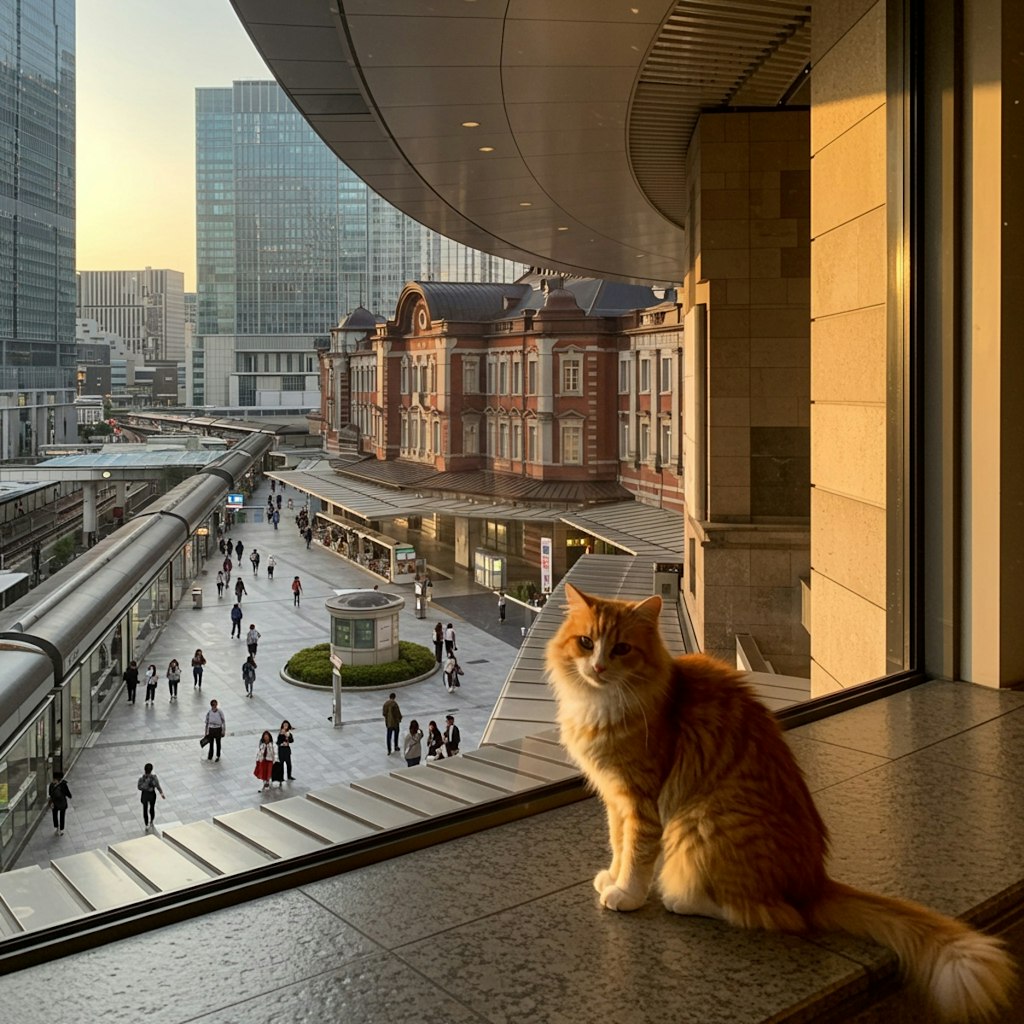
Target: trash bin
(197,597)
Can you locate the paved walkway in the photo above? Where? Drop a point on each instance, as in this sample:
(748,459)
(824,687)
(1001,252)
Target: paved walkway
(105,807)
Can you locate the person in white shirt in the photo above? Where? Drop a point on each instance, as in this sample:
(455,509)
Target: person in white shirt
(216,724)
(252,638)
(449,640)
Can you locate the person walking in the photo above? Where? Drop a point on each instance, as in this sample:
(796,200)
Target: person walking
(198,661)
(149,786)
(412,748)
(254,557)
(276,518)
(231,547)
(452,736)
(435,743)
(392,720)
(151,676)
(240,589)
(438,642)
(449,673)
(252,638)
(215,723)
(271,566)
(220,583)
(249,674)
(239,548)
(58,795)
(501,605)
(285,739)
(227,566)
(236,621)
(449,640)
(222,546)
(131,680)
(309,536)
(296,591)
(266,755)
(173,678)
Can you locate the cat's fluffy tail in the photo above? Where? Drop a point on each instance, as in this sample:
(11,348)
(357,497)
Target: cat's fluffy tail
(969,976)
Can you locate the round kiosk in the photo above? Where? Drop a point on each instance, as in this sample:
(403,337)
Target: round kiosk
(364,626)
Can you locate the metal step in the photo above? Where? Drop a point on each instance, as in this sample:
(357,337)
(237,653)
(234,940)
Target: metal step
(272,835)
(448,784)
(99,880)
(318,819)
(158,863)
(365,808)
(534,746)
(217,849)
(501,780)
(523,764)
(37,899)
(414,798)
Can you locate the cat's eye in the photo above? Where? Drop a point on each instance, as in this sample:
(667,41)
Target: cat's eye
(586,643)
(620,649)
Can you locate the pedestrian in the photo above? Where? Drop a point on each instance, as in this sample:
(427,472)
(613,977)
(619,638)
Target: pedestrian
(456,673)
(309,536)
(296,591)
(449,673)
(271,566)
(239,548)
(279,502)
(252,638)
(255,559)
(215,723)
(451,736)
(131,680)
(230,548)
(149,786)
(435,743)
(449,640)
(173,678)
(236,620)
(222,546)
(266,755)
(227,566)
(392,720)
(438,642)
(277,518)
(220,583)
(198,661)
(240,589)
(59,794)
(151,684)
(285,739)
(249,674)
(501,605)
(273,486)
(412,747)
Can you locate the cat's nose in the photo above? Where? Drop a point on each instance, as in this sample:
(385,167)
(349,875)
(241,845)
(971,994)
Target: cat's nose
(599,668)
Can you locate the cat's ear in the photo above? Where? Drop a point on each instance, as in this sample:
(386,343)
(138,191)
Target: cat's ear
(576,598)
(649,610)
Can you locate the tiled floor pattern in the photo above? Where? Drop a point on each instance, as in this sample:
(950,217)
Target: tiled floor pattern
(105,807)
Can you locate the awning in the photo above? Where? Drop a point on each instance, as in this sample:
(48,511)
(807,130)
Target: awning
(643,530)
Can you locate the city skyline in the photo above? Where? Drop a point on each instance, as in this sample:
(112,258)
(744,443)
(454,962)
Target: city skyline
(137,78)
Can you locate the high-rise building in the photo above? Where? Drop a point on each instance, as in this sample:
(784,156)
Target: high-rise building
(37,224)
(146,308)
(288,241)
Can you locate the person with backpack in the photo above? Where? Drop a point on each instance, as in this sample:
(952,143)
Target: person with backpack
(59,794)
(149,786)
(296,591)
(249,674)
(236,621)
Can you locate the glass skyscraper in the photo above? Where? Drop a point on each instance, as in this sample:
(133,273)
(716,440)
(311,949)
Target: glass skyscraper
(37,222)
(288,241)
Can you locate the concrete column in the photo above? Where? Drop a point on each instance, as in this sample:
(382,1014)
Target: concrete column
(89,512)
(121,493)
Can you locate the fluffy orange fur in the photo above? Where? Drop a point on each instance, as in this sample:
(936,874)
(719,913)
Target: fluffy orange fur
(700,786)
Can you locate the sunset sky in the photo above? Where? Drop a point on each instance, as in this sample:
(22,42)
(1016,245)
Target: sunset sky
(138,66)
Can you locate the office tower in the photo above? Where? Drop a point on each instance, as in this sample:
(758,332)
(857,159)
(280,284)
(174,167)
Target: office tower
(37,224)
(289,241)
(146,308)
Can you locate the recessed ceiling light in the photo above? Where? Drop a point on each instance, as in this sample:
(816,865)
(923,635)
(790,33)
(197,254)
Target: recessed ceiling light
(486,149)
(563,228)
(640,255)
(526,204)
(470,124)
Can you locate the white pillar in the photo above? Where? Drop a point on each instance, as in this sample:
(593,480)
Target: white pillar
(89,516)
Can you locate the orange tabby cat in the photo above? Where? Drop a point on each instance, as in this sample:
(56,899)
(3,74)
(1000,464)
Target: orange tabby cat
(699,784)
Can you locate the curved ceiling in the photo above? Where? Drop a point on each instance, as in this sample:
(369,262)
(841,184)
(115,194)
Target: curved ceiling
(548,133)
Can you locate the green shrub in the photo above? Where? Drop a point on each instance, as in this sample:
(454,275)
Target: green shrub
(313,665)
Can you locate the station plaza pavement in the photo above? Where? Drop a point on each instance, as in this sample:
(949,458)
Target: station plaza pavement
(105,805)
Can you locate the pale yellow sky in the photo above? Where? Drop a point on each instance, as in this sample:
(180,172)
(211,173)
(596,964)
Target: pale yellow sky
(138,64)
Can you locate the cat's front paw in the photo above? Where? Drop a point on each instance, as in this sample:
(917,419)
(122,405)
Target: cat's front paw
(603,880)
(615,898)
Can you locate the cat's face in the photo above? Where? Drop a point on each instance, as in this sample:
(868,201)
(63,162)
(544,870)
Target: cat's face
(603,643)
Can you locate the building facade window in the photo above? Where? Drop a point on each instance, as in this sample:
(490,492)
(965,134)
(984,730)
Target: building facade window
(517,441)
(623,438)
(572,444)
(470,376)
(532,454)
(624,375)
(645,442)
(665,383)
(517,376)
(531,376)
(492,376)
(503,440)
(503,377)
(645,376)
(470,437)
(436,439)
(572,375)
(666,441)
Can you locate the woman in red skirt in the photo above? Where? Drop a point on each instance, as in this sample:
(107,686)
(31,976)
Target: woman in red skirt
(265,757)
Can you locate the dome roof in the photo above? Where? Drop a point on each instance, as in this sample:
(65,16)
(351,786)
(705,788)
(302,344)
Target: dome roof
(360,319)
